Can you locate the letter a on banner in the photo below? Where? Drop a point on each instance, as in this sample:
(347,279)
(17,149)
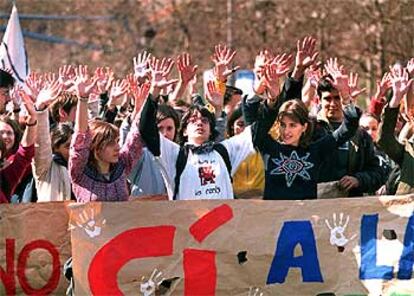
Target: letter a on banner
(295,233)
(12,51)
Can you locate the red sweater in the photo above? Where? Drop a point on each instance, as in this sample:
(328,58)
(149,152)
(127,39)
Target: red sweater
(13,173)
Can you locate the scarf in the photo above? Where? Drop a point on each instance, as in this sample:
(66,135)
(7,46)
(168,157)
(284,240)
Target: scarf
(204,148)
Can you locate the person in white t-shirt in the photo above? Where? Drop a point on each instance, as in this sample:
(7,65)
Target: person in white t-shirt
(197,168)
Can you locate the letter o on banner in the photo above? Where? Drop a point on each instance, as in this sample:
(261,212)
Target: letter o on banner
(21,267)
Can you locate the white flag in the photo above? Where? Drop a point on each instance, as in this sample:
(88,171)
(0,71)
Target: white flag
(12,51)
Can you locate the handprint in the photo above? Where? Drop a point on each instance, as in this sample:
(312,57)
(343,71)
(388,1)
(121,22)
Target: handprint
(255,292)
(88,221)
(337,237)
(149,287)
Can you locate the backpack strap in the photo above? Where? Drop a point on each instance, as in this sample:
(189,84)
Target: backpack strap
(182,162)
(226,157)
(179,168)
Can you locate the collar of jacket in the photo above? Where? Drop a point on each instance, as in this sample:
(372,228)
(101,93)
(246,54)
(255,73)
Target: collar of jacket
(321,117)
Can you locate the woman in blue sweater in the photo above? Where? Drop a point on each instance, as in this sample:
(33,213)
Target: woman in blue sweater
(291,160)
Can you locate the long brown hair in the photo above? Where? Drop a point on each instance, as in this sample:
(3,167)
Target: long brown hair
(296,110)
(18,133)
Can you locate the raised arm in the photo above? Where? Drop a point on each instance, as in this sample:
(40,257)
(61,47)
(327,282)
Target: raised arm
(81,140)
(83,87)
(387,141)
(160,70)
(222,58)
(132,148)
(379,100)
(186,70)
(43,152)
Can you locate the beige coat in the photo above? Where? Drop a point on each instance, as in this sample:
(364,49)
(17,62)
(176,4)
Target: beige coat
(52,180)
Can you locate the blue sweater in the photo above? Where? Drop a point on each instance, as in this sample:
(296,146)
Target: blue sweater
(291,173)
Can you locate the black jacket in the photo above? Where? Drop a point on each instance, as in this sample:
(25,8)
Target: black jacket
(357,158)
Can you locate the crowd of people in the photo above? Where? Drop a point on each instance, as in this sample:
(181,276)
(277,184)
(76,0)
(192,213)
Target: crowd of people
(78,135)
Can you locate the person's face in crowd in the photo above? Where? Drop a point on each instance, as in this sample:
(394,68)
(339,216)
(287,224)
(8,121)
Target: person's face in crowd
(235,99)
(198,129)
(4,98)
(167,128)
(370,124)
(238,126)
(63,149)
(291,131)
(7,135)
(331,105)
(109,154)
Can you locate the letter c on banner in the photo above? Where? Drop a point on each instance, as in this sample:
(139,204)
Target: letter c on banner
(135,243)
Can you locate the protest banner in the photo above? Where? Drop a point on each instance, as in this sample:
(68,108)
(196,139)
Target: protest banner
(356,246)
(34,245)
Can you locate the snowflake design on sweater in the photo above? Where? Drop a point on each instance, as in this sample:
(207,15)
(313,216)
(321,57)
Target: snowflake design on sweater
(292,166)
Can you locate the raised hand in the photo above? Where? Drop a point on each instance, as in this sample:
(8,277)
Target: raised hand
(400,83)
(105,77)
(306,55)
(281,63)
(383,85)
(332,66)
(339,80)
(140,94)
(159,75)
(314,74)
(141,69)
(264,57)
(83,85)
(29,105)
(66,76)
(222,58)
(34,83)
(186,69)
(117,93)
(215,97)
(14,95)
(353,85)
(271,77)
(271,72)
(49,92)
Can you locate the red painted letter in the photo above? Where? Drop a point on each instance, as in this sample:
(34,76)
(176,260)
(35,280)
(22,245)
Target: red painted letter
(200,272)
(132,244)
(21,267)
(200,265)
(7,277)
